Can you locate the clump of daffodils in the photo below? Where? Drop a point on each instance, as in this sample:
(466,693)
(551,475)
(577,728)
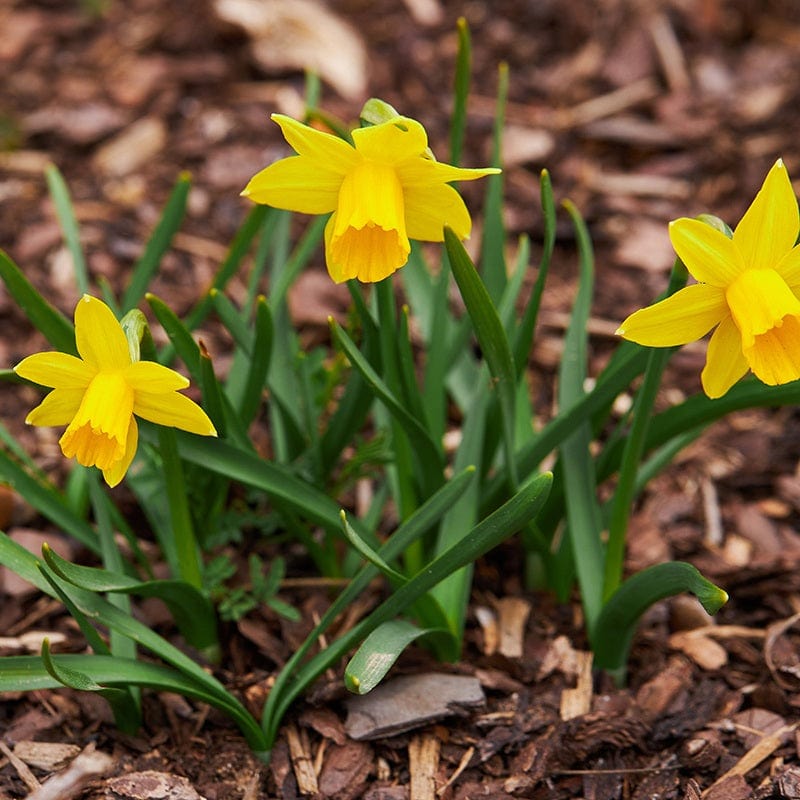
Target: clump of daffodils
(98,395)
(747,289)
(384,189)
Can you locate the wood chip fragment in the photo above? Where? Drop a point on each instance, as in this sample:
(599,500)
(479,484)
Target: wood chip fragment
(48,756)
(408,702)
(704,651)
(302,760)
(425,12)
(132,147)
(753,757)
(578,701)
(669,51)
(151,785)
(27,777)
(609,104)
(84,768)
(423,763)
(487,619)
(513,614)
(29,162)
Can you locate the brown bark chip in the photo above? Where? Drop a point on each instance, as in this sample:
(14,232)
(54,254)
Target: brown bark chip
(345,770)
(151,785)
(410,701)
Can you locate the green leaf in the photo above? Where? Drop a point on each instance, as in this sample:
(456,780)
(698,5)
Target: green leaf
(493,241)
(127,714)
(616,379)
(582,511)
(48,501)
(260,358)
(179,334)
(501,524)
(523,337)
(288,685)
(379,651)
(28,673)
(171,218)
(254,223)
(69,225)
(491,337)
(192,611)
(275,479)
(367,552)
(458,120)
(57,329)
(616,624)
(428,453)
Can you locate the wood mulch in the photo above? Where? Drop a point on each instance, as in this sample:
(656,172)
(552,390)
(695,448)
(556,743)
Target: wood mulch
(643,112)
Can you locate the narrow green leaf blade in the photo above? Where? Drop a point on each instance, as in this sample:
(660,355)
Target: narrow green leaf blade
(427,450)
(58,330)
(146,267)
(612,634)
(491,337)
(367,552)
(69,224)
(28,673)
(379,651)
(193,612)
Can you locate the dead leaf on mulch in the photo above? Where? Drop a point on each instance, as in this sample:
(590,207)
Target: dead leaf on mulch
(301,34)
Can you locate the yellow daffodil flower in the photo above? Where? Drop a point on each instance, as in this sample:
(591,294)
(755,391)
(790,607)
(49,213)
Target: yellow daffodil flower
(383,190)
(96,395)
(747,287)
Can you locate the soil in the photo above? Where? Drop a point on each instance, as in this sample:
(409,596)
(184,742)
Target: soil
(643,112)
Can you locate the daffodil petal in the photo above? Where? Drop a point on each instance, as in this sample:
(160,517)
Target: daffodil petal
(147,376)
(116,472)
(57,408)
(392,142)
(683,317)
(173,410)
(789,268)
(101,342)
(430,208)
(296,184)
(59,370)
(421,172)
(725,362)
(768,230)
(328,151)
(709,255)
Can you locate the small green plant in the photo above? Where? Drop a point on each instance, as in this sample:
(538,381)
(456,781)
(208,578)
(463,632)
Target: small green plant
(369,408)
(264,584)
